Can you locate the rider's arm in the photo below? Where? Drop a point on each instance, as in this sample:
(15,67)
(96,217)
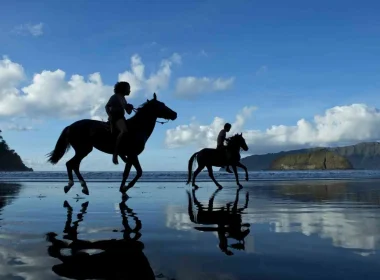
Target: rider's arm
(128,107)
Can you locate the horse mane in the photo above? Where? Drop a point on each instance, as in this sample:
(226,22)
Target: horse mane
(231,140)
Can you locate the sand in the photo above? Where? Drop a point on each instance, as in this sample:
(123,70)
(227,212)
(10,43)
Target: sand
(284,230)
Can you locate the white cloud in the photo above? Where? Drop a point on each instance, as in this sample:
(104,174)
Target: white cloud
(191,86)
(156,81)
(341,124)
(204,135)
(51,94)
(33,29)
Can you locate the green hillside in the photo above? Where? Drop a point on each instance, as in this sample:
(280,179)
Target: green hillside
(9,159)
(321,159)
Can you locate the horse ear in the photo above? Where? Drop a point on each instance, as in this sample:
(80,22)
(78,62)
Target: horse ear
(154,96)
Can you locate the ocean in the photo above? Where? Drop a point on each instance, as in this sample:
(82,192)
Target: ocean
(181,176)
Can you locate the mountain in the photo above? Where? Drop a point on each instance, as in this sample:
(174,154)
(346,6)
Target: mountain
(9,159)
(364,155)
(321,159)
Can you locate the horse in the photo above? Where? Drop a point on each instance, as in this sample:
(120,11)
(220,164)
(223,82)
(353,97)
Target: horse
(209,157)
(227,219)
(86,134)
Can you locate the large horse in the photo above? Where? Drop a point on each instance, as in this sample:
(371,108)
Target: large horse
(84,135)
(209,157)
(114,258)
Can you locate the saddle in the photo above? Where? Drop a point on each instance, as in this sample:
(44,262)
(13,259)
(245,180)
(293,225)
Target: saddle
(225,153)
(109,127)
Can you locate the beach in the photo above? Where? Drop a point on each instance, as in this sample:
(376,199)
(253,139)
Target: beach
(270,229)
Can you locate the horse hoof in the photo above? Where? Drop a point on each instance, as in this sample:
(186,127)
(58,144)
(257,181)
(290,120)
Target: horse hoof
(123,189)
(66,204)
(66,189)
(246,179)
(124,196)
(85,191)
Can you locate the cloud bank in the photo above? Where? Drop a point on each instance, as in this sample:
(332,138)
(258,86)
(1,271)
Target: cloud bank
(337,126)
(52,94)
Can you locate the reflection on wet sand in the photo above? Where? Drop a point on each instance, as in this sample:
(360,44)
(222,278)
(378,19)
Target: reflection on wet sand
(113,259)
(345,213)
(8,192)
(228,220)
(329,192)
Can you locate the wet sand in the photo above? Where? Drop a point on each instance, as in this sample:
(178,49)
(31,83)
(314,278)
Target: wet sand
(285,230)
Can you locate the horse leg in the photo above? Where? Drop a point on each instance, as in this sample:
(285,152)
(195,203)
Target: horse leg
(135,162)
(236,175)
(211,200)
(239,164)
(80,156)
(127,169)
(211,174)
(69,167)
(196,172)
(124,158)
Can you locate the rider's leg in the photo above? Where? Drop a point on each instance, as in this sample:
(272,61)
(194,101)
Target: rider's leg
(121,126)
(227,157)
(222,149)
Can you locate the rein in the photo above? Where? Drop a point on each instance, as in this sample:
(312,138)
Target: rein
(136,110)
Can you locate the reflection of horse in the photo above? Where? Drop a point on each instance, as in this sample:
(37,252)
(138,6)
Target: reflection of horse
(209,157)
(118,259)
(228,220)
(84,135)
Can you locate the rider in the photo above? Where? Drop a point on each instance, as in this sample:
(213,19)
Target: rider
(115,110)
(220,141)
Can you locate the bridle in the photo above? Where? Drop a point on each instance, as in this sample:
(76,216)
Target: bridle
(136,110)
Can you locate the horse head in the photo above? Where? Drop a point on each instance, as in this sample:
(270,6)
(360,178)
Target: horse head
(159,109)
(238,141)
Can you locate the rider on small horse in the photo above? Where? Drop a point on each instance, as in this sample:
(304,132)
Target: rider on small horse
(220,142)
(115,110)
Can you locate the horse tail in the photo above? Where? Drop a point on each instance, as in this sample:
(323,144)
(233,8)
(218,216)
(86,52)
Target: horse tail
(190,168)
(61,147)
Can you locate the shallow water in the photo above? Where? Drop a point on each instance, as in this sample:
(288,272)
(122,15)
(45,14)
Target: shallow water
(293,230)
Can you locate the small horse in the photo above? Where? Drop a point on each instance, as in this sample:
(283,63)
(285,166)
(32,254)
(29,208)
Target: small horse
(227,219)
(209,157)
(84,135)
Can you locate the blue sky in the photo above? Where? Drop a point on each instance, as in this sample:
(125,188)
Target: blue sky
(290,60)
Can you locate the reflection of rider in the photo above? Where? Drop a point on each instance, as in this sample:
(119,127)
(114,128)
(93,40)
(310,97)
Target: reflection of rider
(221,139)
(115,110)
(115,258)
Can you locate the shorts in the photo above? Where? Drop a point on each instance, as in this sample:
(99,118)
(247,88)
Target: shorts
(121,125)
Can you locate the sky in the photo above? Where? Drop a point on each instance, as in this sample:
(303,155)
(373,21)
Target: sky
(287,74)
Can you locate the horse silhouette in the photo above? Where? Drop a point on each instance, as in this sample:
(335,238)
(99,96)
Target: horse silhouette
(228,220)
(86,134)
(209,157)
(118,259)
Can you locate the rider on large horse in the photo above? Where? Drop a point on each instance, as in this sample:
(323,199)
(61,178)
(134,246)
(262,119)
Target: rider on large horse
(115,110)
(220,142)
